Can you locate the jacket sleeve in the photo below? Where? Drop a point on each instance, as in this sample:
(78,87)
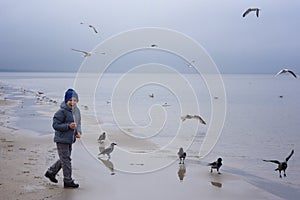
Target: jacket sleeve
(59,123)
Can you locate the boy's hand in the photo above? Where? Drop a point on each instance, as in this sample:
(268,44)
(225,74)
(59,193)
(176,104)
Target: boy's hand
(78,135)
(72,125)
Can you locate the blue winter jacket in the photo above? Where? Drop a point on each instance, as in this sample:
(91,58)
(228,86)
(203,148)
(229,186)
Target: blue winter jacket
(61,120)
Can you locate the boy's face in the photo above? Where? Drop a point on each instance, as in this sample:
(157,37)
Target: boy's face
(72,102)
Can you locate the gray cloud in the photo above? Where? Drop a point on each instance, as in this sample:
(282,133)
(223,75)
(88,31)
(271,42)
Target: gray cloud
(38,35)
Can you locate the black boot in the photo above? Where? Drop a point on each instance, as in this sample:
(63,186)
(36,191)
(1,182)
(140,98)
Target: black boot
(51,177)
(71,185)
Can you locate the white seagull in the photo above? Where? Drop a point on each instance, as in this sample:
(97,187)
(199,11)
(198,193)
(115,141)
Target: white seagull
(250,10)
(285,71)
(108,150)
(183,118)
(91,26)
(85,53)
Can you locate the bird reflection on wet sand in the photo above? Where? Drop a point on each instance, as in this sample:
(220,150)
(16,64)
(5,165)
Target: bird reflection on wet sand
(181,172)
(109,165)
(217,184)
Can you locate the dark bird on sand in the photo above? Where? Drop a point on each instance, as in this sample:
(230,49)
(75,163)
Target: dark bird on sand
(181,154)
(256,10)
(215,165)
(286,71)
(281,165)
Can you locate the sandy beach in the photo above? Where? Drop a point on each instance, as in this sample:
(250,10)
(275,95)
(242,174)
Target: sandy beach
(26,154)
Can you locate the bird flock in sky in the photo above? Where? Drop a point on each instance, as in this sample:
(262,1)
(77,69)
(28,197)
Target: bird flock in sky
(255,10)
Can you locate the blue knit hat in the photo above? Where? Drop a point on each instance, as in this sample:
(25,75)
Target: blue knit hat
(69,94)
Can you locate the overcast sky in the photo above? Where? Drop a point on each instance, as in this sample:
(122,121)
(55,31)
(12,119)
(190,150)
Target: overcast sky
(39,34)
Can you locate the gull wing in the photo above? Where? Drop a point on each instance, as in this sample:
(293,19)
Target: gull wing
(257,12)
(287,158)
(291,72)
(280,72)
(108,150)
(95,30)
(273,161)
(247,12)
(183,118)
(200,119)
(80,51)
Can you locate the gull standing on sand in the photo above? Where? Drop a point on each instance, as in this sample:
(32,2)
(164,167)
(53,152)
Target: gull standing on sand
(183,118)
(85,53)
(286,71)
(215,165)
(181,154)
(281,165)
(108,150)
(250,10)
(102,137)
(91,26)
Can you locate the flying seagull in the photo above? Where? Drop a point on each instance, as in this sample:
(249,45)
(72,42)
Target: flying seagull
(215,165)
(91,26)
(181,154)
(190,64)
(183,118)
(281,165)
(250,10)
(102,137)
(285,71)
(85,53)
(108,150)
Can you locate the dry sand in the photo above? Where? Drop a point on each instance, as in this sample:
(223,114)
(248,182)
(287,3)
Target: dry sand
(24,157)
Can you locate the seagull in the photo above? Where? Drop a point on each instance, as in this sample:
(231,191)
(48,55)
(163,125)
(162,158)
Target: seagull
(190,64)
(250,10)
(85,54)
(215,165)
(281,165)
(102,137)
(183,118)
(108,150)
(285,71)
(91,26)
(181,155)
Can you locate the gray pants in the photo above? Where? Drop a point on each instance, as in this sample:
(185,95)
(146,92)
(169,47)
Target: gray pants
(64,161)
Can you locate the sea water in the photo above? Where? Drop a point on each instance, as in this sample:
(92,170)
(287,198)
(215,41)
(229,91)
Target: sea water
(261,121)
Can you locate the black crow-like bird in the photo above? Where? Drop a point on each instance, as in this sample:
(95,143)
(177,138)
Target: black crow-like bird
(215,165)
(281,165)
(181,154)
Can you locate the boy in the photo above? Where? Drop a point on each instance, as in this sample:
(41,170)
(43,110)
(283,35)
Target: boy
(67,126)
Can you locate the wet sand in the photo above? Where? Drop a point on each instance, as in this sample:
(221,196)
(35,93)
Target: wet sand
(26,155)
